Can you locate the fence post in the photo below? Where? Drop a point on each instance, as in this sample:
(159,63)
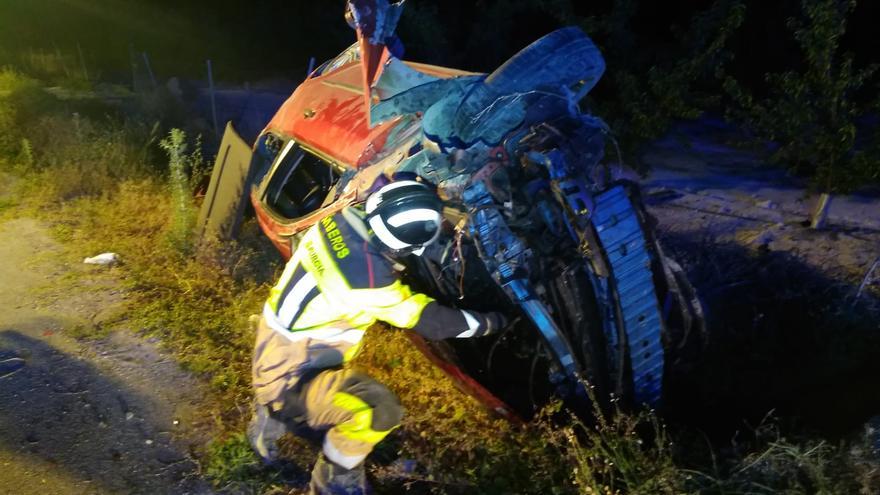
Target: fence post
(149,69)
(131,57)
(213,100)
(820,212)
(82,60)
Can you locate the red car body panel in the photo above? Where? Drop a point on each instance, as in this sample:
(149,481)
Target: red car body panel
(328,114)
(274,230)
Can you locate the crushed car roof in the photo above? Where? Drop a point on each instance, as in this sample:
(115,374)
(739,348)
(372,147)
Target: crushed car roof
(327,114)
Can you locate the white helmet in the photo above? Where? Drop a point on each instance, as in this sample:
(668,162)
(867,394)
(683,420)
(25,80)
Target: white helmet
(405,215)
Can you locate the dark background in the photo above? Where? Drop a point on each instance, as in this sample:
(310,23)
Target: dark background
(260,39)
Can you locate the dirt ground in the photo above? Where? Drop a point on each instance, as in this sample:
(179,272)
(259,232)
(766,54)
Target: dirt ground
(711,193)
(113,415)
(792,312)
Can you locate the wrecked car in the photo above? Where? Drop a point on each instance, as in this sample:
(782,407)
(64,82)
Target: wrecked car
(535,224)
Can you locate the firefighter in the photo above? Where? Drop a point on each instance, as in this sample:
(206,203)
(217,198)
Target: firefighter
(340,280)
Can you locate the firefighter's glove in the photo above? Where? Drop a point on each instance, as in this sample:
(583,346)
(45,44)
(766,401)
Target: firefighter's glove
(486,324)
(494,323)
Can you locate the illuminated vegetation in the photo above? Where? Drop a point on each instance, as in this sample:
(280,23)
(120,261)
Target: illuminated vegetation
(103,183)
(813,114)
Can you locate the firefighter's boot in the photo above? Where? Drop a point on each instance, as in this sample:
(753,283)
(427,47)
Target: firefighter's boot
(263,433)
(331,479)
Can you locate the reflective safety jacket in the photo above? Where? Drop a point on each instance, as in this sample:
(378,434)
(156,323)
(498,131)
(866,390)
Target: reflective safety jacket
(333,288)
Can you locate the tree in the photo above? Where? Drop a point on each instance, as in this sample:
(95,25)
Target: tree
(649,85)
(812,112)
(651,79)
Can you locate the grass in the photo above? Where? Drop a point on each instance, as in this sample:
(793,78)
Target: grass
(57,68)
(7,204)
(103,184)
(233,462)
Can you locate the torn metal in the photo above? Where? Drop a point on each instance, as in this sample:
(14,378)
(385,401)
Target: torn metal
(539,231)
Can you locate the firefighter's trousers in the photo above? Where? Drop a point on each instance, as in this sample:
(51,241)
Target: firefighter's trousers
(356,411)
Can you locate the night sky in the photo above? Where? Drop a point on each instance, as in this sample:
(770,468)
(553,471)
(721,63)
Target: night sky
(275,38)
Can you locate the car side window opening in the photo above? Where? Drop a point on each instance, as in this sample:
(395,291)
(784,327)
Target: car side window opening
(299,183)
(351,54)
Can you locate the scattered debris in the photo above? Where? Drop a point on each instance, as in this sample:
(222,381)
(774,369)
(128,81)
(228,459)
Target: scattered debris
(169,456)
(765,238)
(105,316)
(406,465)
(819,217)
(9,367)
(872,434)
(869,278)
(102,259)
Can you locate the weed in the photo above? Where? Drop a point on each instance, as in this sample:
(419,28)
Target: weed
(648,87)
(232,460)
(198,308)
(7,204)
(59,68)
(86,331)
(771,463)
(624,453)
(26,155)
(182,220)
(21,99)
(98,183)
(812,113)
(462,447)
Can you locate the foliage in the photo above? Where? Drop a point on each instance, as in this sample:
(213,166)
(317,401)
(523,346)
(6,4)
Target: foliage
(647,85)
(624,453)
(74,147)
(21,101)
(650,85)
(181,164)
(462,447)
(199,306)
(62,69)
(813,112)
(99,182)
(232,460)
(772,464)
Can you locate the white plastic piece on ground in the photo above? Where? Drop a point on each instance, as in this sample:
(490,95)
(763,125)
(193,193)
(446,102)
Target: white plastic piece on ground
(102,259)
(11,366)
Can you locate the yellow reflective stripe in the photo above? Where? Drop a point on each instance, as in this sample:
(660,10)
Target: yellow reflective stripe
(405,310)
(359,426)
(394,304)
(351,352)
(278,289)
